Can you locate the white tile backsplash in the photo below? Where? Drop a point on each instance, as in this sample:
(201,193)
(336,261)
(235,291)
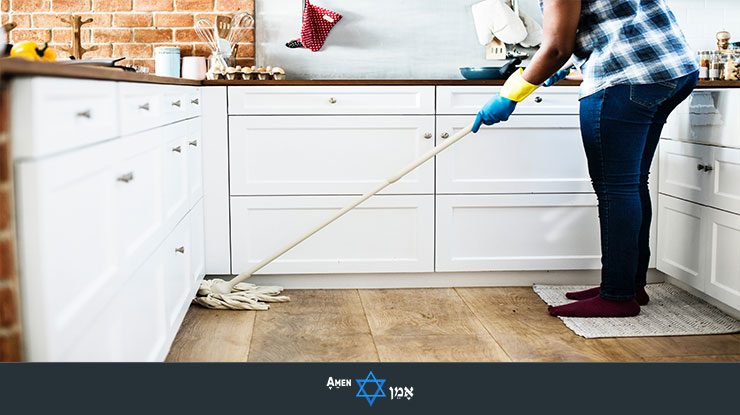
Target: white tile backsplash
(700,20)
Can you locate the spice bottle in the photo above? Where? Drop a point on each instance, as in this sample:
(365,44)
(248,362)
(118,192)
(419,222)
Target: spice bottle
(703,65)
(714,65)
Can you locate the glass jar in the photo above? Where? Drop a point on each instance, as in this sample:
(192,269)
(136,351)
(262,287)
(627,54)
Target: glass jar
(714,66)
(704,65)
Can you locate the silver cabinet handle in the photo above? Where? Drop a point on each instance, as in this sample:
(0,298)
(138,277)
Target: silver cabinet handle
(195,101)
(84,114)
(176,103)
(428,136)
(180,249)
(445,135)
(177,149)
(332,100)
(538,99)
(194,143)
(144,106)
(126,177)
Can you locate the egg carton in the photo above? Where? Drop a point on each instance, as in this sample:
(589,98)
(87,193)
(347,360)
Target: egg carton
(238,73)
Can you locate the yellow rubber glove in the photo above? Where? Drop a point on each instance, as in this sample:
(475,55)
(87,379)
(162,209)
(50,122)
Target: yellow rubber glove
(516,88)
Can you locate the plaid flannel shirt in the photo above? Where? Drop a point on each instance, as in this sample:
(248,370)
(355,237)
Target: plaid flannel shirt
(629,42)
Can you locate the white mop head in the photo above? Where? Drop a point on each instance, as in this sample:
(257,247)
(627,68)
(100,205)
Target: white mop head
(244,296)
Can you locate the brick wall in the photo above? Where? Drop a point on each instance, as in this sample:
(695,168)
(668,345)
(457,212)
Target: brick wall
(130,28)
(10,331)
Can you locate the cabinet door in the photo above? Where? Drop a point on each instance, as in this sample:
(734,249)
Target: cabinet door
(176,192)
(523,155)
(384,234)
(725,179)
(723,260)
(140,106)
(328,155)
(681,243)
(194,150)
(139,212)
(681,170)
(517,232)
(68,250)
(175,254)
(132,327)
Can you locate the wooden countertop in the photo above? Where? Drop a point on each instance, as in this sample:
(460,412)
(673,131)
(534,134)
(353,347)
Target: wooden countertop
(10,67)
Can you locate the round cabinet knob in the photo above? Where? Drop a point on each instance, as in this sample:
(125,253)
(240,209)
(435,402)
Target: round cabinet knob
(445,135)
(538,99)
(332,100)
(700,167)
(428,136)
(708,168)
(176,103)
(194,143)
(126,177)
(177,149)
(180,249)
(84,114)
(195,101)
(144,106)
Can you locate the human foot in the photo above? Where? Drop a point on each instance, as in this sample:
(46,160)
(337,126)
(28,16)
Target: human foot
(597,307)
(640,295)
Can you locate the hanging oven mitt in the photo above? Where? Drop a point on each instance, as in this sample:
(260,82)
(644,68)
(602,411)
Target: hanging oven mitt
(494,18)
(317,22)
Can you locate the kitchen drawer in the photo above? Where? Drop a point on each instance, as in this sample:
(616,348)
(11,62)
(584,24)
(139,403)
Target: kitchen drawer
(707,116)
(141,105)
(526,154)
(287,100)
(468,100)
(176,190)
(725,179)
(194,153)
(175,102)
(50,115)
(384,234)
(301,155)
(68,250)
(517,232)
(723,259)
(193,102)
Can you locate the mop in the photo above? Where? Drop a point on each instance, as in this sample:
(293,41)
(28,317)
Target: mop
(238,295)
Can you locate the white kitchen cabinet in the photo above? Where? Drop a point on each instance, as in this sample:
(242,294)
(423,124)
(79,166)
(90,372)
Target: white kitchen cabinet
(386,233)
(723,257)
(517,232)
(331,100)
(197,243)
(542,154)
(681,249)
(176,255)
(294,155)
(141,107)
(75,113)
(468,100)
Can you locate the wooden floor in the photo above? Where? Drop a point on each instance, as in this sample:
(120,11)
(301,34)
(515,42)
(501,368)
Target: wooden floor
(424,325)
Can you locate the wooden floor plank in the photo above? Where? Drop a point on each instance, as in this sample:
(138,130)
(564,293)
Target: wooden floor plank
(423,325)
(213,336)
(517,318)
(650,348)
(315,326)
(700,358)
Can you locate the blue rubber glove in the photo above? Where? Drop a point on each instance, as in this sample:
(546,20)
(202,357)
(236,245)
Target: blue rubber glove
(496,109)
(557,77)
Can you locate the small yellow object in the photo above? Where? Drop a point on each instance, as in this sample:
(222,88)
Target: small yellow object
(31,51)
(516,88)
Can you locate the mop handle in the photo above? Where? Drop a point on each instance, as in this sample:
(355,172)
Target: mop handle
(418,162)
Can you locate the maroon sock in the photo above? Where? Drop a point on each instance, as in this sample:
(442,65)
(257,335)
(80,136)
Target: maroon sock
(597,307)
(640,295)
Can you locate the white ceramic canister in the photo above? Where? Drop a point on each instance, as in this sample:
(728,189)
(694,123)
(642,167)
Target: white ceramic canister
(167,61)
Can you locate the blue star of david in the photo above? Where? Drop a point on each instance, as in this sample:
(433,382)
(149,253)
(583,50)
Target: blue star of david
(378,393)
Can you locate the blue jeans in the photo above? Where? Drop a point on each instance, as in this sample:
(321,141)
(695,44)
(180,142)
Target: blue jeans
(620,127)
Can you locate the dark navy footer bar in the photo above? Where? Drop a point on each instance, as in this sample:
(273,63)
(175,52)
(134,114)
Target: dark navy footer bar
(352,388)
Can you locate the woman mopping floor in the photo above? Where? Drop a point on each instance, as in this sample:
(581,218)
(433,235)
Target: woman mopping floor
(637,67)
